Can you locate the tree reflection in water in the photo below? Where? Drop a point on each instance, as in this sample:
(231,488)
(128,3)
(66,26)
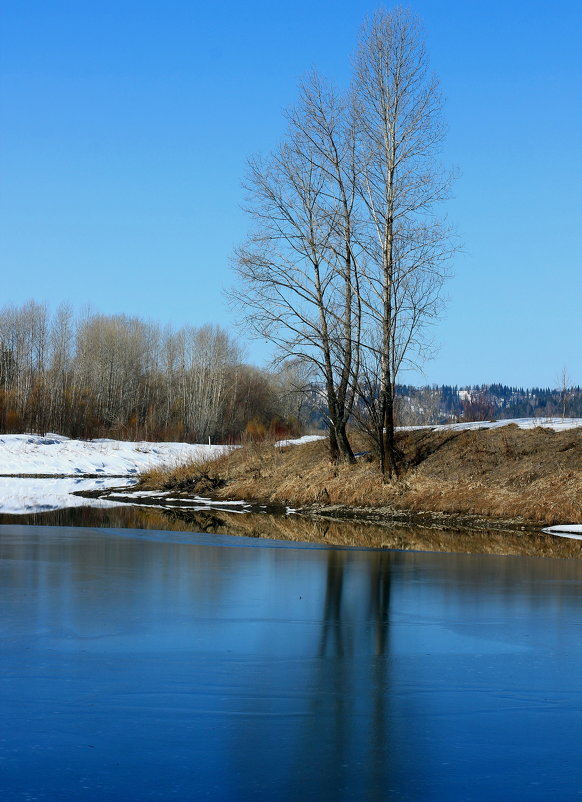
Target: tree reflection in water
(296,528)
(353,730)
(331,630)
(282,673)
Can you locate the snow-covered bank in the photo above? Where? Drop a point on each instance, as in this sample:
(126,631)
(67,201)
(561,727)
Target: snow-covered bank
(557,424)
(23,496)
(55,455)
(531,475)
(28,454)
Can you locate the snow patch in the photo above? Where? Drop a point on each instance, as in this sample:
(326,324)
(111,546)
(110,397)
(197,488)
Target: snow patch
(24,496)
(573,531)
(299,441)
(58,455)
(557,424)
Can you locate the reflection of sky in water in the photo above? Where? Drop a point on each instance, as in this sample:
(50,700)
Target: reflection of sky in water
(155,666)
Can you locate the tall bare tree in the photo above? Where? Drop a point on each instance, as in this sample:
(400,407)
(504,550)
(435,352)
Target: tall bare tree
(565,388)
(298,268)
(399,130)
(346,260)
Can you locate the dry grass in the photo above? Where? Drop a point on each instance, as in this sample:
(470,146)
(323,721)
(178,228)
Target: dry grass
(195,476)
(534,475)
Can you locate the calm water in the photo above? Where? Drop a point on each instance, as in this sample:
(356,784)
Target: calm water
(141,665)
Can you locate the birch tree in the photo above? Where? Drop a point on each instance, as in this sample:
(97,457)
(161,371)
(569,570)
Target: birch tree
(59,373)
(400,184)
(345,264)
(298,268)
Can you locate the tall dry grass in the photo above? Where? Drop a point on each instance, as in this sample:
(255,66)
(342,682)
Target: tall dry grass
(505,473)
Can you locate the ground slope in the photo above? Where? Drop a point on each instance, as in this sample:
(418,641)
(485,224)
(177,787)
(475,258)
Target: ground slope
(533,475)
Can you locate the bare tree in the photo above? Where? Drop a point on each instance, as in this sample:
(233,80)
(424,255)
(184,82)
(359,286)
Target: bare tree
(59,372)
(478,405)
(399,129)
(298,268)
(566,390)
(208,357)
(294,383)
(97,375)
(347,259)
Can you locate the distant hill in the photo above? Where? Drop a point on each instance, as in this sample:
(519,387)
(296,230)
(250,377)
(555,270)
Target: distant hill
(439,404)
(445,403)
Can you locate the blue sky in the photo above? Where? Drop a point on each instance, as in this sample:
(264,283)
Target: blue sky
(125,127)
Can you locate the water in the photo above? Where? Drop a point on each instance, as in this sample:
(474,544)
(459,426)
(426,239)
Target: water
(296,528)
(143,664)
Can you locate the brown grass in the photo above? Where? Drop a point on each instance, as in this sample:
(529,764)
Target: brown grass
(533,475)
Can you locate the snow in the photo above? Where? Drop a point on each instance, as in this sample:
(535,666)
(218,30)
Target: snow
(140,494)
(22,496)
(557,424)
(299,441)
(192,504)
(165,496)
(56,455)
(573,531)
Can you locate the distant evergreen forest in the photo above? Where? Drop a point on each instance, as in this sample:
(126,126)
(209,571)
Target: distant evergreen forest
(446,403)
(425,406)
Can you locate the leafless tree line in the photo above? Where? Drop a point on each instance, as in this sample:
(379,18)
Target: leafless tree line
(346,258)
(98,375)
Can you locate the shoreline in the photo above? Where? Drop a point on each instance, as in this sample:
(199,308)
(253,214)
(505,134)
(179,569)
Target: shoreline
(502,479)
(341,527)
(385,517)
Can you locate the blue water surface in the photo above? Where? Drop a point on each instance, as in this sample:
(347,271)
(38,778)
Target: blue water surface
(143,665)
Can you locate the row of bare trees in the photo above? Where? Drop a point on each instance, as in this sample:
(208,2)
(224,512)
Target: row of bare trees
(346,257)
(97,375)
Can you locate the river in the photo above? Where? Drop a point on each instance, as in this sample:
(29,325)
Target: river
(143,664)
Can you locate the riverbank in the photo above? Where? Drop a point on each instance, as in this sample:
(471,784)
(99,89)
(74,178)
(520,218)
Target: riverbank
(52,455)
(502,478)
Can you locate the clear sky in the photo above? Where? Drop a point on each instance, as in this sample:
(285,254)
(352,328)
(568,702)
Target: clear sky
(125,126)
